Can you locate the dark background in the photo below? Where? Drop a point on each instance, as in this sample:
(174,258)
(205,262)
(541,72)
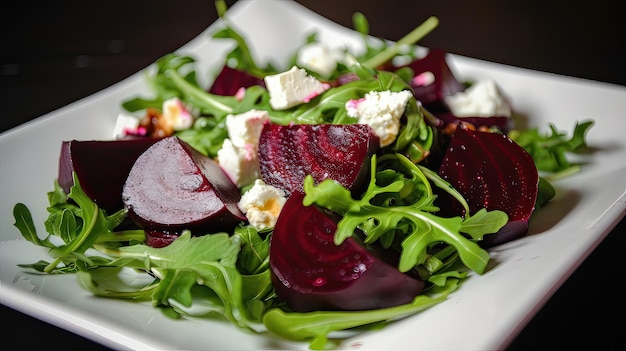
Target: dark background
(56,52)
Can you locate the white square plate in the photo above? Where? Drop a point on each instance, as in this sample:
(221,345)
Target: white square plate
(486,312)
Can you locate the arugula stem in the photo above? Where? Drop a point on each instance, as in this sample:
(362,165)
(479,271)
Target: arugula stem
(209,100)
(414,36)
(122,236)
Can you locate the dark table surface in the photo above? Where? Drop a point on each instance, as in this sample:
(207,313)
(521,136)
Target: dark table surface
(54,53)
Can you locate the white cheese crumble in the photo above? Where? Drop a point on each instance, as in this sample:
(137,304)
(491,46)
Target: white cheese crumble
(245,128)
(482,99)
(262,204)
(292,87)
(382,111)
(125,125)
(238,156)
(319,58)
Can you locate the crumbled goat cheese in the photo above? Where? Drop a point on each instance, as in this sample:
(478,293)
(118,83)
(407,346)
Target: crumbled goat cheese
(292,87)
(245,128)
(482,99)
(238,156)
(382,111)
(126,125)
(262,204)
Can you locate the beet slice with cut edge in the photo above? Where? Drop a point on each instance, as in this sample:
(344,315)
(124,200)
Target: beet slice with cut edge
(172,187)
(492,171)
(101,167)
(230,80)
(311,273)
(444,82)
(288,153)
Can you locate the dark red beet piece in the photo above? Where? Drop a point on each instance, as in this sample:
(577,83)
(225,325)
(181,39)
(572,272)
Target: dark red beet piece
(444,84)
(172,187)
(230,80)
(491,171)
(311,273)
(287,154)
(160,239)
(101,167)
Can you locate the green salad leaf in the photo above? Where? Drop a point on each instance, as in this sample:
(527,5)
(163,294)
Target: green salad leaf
(549,150)
(80,223)
(414,221)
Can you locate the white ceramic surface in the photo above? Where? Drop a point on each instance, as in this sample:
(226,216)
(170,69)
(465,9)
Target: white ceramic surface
(487,311)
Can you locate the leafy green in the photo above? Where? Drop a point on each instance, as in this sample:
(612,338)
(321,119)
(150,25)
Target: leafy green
(208,261)
(161,84)
(549,150)
(175,76)
(209,131)
(229,274)
(316,326)
(241,56)
(415,35)
(79,223)
(545,192)
(414,222)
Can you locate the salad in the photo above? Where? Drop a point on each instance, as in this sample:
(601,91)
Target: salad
(404,205)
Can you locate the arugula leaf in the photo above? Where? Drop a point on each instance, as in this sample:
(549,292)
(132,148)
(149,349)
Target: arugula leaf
(329,107)
(162,86)
(79,224)
(412,37)
(24,223)
(208,260)
(241,56)
(255,250)
(549,151)
(421,228)
(316,326)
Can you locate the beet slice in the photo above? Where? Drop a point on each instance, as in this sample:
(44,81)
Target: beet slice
(444,81)
(172,187)
(287,154)
(491,171)
(311,273)
(230,80)
(158,239)
(101,167)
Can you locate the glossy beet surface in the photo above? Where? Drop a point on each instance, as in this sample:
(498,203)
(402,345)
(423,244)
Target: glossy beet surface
(172,187)
(311,273)
(491,171)
(101,167)
(434,80)
(287,154)
(230,80)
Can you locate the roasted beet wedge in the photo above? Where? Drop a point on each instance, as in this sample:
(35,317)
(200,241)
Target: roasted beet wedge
(434,80)
(172,187)
(230,80)
(101,167)
(289,153)
(491,171)
(311,273)
(159,239)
